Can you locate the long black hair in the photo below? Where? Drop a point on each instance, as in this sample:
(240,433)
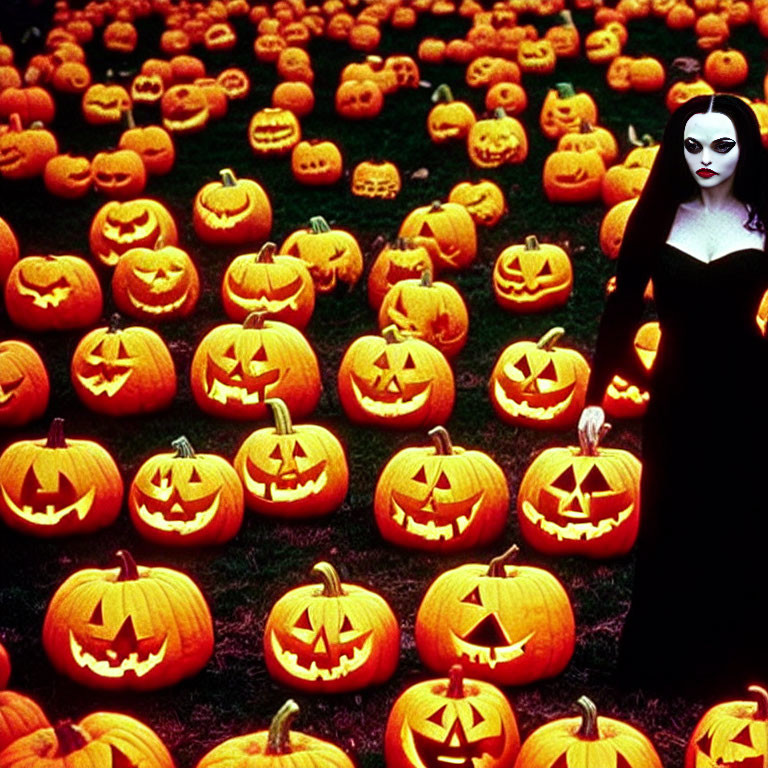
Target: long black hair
(671,182)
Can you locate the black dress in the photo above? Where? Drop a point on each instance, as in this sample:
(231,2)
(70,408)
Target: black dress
(696,621)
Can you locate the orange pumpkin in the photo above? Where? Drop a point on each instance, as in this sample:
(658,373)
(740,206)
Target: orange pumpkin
(497,141)
(725,70)
(24,152)
(31,104)
(564,109)
(573,177)
(19,716)
(273,131)
(511,97)
(67,176)
(9,250)
(185,108)
(376,180)
(104,104)
(358,99)
(396,261)
(24,384)
(294,96)
(448,119)
(120,175)
(152,143)
(484,201)
(613,225)
(316,163)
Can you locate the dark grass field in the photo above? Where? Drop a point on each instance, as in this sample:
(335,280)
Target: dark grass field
(242,579)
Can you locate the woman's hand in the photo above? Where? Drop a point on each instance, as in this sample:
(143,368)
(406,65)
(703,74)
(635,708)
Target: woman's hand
(592,428)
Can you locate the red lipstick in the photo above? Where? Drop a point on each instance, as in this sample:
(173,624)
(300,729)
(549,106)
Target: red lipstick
(706,173)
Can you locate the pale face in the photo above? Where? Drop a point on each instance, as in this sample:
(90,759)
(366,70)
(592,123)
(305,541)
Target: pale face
(711,148)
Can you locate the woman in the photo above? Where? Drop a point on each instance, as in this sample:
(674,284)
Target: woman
(698,230)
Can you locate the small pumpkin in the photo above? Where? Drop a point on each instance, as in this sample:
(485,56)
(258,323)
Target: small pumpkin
(613,225)
(484,201)
(147,89)
(449,119)
(725,70)
(511,97)
(103,104)
(68,176)
(294,96)
(24,384)
(152,143)
(591,137)
(119,174)
(569,176)
(273,131)
(536,57)
(317,162)
(497,141)
(376,180)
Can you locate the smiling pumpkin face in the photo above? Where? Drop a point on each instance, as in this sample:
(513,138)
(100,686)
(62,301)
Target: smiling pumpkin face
(104,104)
(333,639)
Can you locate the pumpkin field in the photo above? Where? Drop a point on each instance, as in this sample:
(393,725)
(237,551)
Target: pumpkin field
(422,188)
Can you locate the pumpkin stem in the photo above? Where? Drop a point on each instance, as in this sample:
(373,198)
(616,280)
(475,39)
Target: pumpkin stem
(70,738)
(442,94)
(589,444)
(56,434)
(330,578)
(441,440)
(567,18)
(435,207)
(426,278)
(565,90)
(266,253)
(499,113)
(550,338)
(228,178)
(129,571)
(496,566)
(632,136)
(129,122)
(318,225)
(184,449)
(14,123)
(282,416)
(532,243)
(761,697)
(588,710)
(392,334)
(455,682)
(115,323)
(255,320)
(279,740)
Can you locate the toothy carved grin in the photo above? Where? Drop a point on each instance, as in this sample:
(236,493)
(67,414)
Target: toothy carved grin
(110,666)
(251,392)
(184,524)
(394,407)
(430,530)
(492,655)
(106,381)
(286,488)
(627,392)
(49,515)
(290,661)
(44,296)
(153,309)
(285,297)
(576,531)
(541,413)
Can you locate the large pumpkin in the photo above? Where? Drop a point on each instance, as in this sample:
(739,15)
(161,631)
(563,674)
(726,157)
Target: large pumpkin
(131,627)
(292,471)
(337,639)
(24,384)
(451,721)
(236,367)
(441,498)
(395,381)
(58,487)
(511,624)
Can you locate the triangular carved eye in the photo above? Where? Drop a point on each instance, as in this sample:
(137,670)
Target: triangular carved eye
(260,356)
(523,366)
(122,352)
(477,718)
(420,476)
(98,350)
(276,453)
(705,743)
(515,264)
(743,737)
(230,352)
(157,478)
(566,481)
(426,230)
(97,617)
(549,372)
(304,621)
(346,625)
(409,362)
(381,361)
(443,482)
(437,717)
(473,597)
(595,482)
(120,759)
(546,269)
(298,451)
(195,476)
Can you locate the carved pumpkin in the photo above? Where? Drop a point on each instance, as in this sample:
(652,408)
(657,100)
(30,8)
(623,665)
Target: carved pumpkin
(626,180)
(186,498)
(128,628)
(484,201)
(371,69)
(400,260)
(395,381)
(155,283)
(232,211)
(120,36)
(441,498)
(58,487)
(538,384)
(497,141)
(484,71)
(46,293)
(32,104)
(338,639)
(19,716)
(681,91)
(185,108)
(152,143)
(532,277)
(236,367)
(273,131)
(573,177)
(358,99)
(106,739)
(432,311)
(278,747)
(591,137)
(449,119)
(147,89)
(331,255)
(585,740)
(292,471)
(376,180)
(104,104)
(123,371)
(294,96)
(24,152)
(732,734)
(316,162)
(24,384)
(512,624)
(602,45)
(67,176)
(536,57)
(511,97)
(565,37)
(455,721)
(235,82)
(613,225)
(446,230)
(119,226)
(564,109)
(120,175)
(294,63)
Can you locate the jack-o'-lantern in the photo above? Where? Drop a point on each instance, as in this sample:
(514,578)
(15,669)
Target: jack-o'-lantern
(484,36)
(564,109)
(538,384)
(401,260)
(376,180)
(19,716)
(24,384)
(273,131)
(120,175)
(511,624)
(185,108)
(453,721)
(186,498)
(339,26)
(587,740)
(71,77)
(569,176)
(294,63)
(104,104)
(532,277)
(405,70)
(236,367)
(57,486)
(160,67)
(624,400)
(591,137)
(235,82)
(152,143)
(565,37)
(484,71)
(186,69)
(24,152)
(292,471)
(613,225)
(263,282)
(432,311)
(511,97)
(120,36)
(122,371)
(536,57)
(128,628)
(120,226)
(340,638)
(231,211)
(332,255)
(395,381)
(220,36)
(732,734)
(364,36)
(441,498)
(31,104)
(446,230)
(68,176)
(147,89)
(681,91)
(497,141)
(316,162)
(48,293)
(617,74)
(267,47)
(626,180)
(581,500)
(294,96)
(449,119)
(215,95)
(484,201)
(358,99)
(601,46)
(155,283)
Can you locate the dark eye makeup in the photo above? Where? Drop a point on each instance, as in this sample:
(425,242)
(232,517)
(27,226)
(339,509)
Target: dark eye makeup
(719,145)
